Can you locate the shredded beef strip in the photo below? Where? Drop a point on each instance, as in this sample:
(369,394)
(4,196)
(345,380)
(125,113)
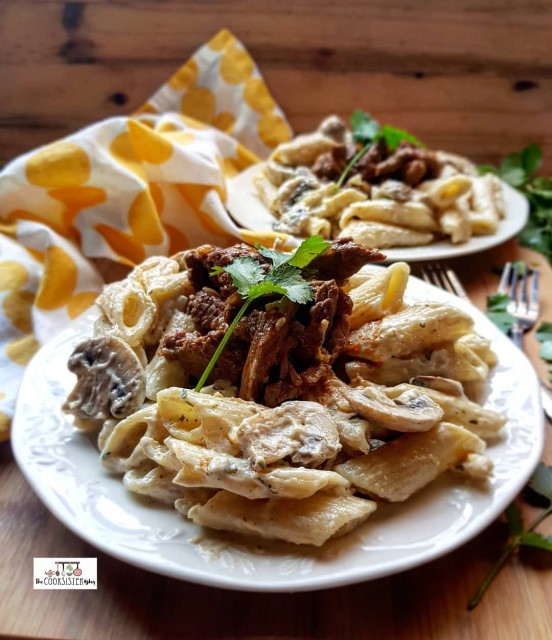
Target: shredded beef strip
(270,335)
(207,310)
(342,259)
(194,351)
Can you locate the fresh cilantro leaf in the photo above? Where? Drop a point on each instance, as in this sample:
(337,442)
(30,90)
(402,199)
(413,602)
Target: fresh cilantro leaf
(515,176)
(216,271)
(486,168)
(535,539)
(545,351)
(497,302)
(512,161)
(514,519)
(245,272)
(541,187)
(265,288)
(544,332)
(497,305)
(364,127)
(290,280)
(393,137)
(531,158)
(276,257)
(307,251)
(541,481)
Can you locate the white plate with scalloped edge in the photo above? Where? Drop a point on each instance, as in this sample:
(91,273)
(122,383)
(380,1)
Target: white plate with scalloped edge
(248,211)
(62,465)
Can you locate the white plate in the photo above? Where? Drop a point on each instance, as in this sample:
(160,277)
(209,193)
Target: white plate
(248,211)
(62,466)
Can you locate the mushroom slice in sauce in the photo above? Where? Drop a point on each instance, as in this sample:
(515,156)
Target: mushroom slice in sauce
(110,379)
(304,431)
(413,410)
(444,385)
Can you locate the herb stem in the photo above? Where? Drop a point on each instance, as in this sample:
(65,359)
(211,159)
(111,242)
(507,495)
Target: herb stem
(540,518)
(492,574)
(220,348)
(352,163)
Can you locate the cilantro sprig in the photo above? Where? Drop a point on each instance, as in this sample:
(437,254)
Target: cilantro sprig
(253,282)
(541,484)
(544,336)
(519,170)
(366,130)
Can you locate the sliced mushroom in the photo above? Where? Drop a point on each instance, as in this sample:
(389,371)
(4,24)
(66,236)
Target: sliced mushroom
(110,379)
(333,127)
(411,411)
(444,385)
(304,431)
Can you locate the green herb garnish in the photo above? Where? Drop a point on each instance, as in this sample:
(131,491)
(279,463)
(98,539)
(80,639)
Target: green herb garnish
(497,311)
(544,336)
(518,170)
(366,130)
(284,278)
(540,483)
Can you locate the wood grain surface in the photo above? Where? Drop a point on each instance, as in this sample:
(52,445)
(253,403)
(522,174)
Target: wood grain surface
(422,604)
(472,76)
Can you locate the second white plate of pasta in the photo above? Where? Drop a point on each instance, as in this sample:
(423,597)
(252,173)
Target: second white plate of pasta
(248,210)
(61,463)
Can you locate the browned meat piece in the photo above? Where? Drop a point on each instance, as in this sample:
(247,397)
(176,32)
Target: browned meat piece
(200,263)
(409,163)
(339,333)
(208,310)
(330,165)
(295,385)
(267,344)
(194,352)
(342,259)
(321,315)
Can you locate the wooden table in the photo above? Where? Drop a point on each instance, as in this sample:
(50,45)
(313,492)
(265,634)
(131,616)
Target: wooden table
(421,604)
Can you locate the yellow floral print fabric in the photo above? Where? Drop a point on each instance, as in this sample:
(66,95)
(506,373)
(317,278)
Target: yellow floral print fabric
(125,189)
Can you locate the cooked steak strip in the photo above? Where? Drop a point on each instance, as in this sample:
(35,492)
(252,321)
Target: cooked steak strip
(342,259)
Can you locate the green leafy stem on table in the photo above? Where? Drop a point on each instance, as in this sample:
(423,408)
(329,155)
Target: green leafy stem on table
(521,536)
(519,170)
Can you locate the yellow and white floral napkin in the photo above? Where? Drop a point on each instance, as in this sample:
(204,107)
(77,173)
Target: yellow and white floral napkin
(124,189)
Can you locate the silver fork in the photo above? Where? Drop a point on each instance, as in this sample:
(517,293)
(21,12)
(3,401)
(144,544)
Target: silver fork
(523,306)
(525,309)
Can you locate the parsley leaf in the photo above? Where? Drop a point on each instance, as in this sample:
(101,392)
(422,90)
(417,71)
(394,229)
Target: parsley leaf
(514,519)
(364,127)
(497,311)
(308,250)
(541,482)
(289,279)
(535,539)
(245,272)
(544,332)
(393,137)
(305,253)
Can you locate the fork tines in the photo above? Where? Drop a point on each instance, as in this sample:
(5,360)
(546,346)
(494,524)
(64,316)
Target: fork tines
(444,278)
(511,286)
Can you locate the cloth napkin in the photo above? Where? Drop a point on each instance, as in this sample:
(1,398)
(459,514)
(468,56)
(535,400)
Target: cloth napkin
(124,189)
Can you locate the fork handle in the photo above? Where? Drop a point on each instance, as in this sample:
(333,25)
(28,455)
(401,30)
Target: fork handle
(517,335)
